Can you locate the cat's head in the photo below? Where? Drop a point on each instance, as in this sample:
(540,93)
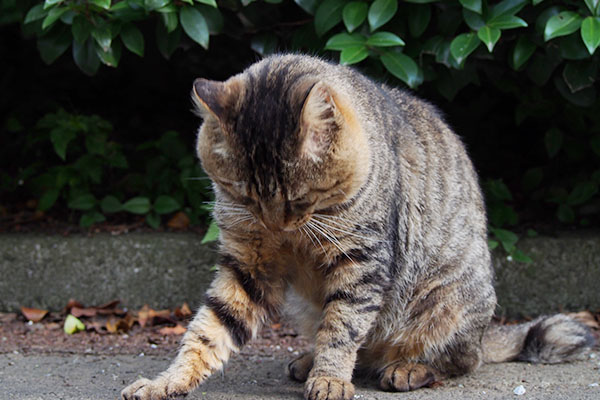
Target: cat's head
(281,141)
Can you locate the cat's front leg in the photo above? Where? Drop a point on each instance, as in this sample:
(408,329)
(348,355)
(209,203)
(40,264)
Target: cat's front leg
(354,297)
(230,317)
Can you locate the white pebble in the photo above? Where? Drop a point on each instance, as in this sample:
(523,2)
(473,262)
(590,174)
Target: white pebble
(519,390)
(290,349)
(141,354)
(593,355)
(595,384)
(153,345)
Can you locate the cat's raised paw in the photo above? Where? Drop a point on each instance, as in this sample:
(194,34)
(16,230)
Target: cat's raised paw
(328,388)
(299,367)
(402,377)
(158,389)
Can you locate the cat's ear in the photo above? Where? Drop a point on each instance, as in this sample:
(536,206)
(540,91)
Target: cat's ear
(213,97)
(319,122)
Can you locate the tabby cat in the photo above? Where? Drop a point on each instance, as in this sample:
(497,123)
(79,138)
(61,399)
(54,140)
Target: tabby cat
(354,207)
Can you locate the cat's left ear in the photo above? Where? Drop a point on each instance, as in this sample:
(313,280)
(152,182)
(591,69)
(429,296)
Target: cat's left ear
(320,121)
(213,97)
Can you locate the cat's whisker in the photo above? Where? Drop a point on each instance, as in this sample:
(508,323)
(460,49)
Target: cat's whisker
(330,237)
(198,178)
(323,224)
(302,229)
(344,222)
(314,235)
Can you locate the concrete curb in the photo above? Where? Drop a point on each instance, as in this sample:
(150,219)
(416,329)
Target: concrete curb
(166,269)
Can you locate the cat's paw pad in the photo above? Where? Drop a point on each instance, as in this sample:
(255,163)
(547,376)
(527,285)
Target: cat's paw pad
(328,388)
(400,377)
(157,389)
(299,368)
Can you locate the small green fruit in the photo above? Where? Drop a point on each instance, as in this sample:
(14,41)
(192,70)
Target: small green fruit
(73,325)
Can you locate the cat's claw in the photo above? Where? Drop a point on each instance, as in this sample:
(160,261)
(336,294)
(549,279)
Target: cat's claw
(157,389)
(328,388)
(403,377)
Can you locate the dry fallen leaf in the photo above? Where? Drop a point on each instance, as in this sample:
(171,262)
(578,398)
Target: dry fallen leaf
(33,314)
(84,312)
(72,303)
(173,330)
(183,312)
(179,221)
(121,325)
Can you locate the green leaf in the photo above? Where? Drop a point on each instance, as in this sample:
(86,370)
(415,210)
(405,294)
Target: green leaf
(155,4)
(80,29)
(35,13)
(536,2)
(110,204)
(403,67)
(523,50)
(592,5)
(463,45)
(498,189)
(153,220)
(492,244)
(90,218)
(384,39)
(419,16)
(53,45)
(83,202)
(553,140)
(50,3)
(53,16)
(590,33)
(85,57)
(380,12)
(167,42)
(473,5)
(60,139)
(507,238)
(133,39)
(166,204)
(137,205)
(110,57)
(310,6)
(473,20)
(103,35)
(582,98)
(344,40)
(353,54)
(506,7)
(211,3)
(583,192)
(562,24)
(194,25)
(519,256)
(532,179)
(579,75)
(212,233)
(506,22)
(73,325)
(48,199)
(170,20)
(565,213)
(213,17)
(328,15)
(102,3)
(264,43)
(354,14)
(489,36)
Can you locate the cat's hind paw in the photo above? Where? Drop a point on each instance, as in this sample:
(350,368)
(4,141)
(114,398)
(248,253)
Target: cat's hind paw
(157,389)
(402,377)
(299,368)
(328,388)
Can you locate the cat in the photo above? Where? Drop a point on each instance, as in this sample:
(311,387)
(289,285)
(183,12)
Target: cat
(354,207)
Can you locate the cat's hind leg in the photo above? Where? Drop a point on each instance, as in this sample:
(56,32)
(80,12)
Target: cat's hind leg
(401,376)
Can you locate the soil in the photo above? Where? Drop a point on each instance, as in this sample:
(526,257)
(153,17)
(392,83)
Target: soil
(47,336)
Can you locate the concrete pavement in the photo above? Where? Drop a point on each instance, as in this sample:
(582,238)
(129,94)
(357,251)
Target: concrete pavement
(254,376)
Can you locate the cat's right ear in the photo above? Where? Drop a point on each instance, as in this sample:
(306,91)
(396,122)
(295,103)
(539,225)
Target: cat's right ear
(214,98)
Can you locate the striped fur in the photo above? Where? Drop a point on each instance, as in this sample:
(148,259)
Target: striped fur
(355,208)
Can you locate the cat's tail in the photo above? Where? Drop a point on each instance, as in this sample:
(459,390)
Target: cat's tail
(548,339)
